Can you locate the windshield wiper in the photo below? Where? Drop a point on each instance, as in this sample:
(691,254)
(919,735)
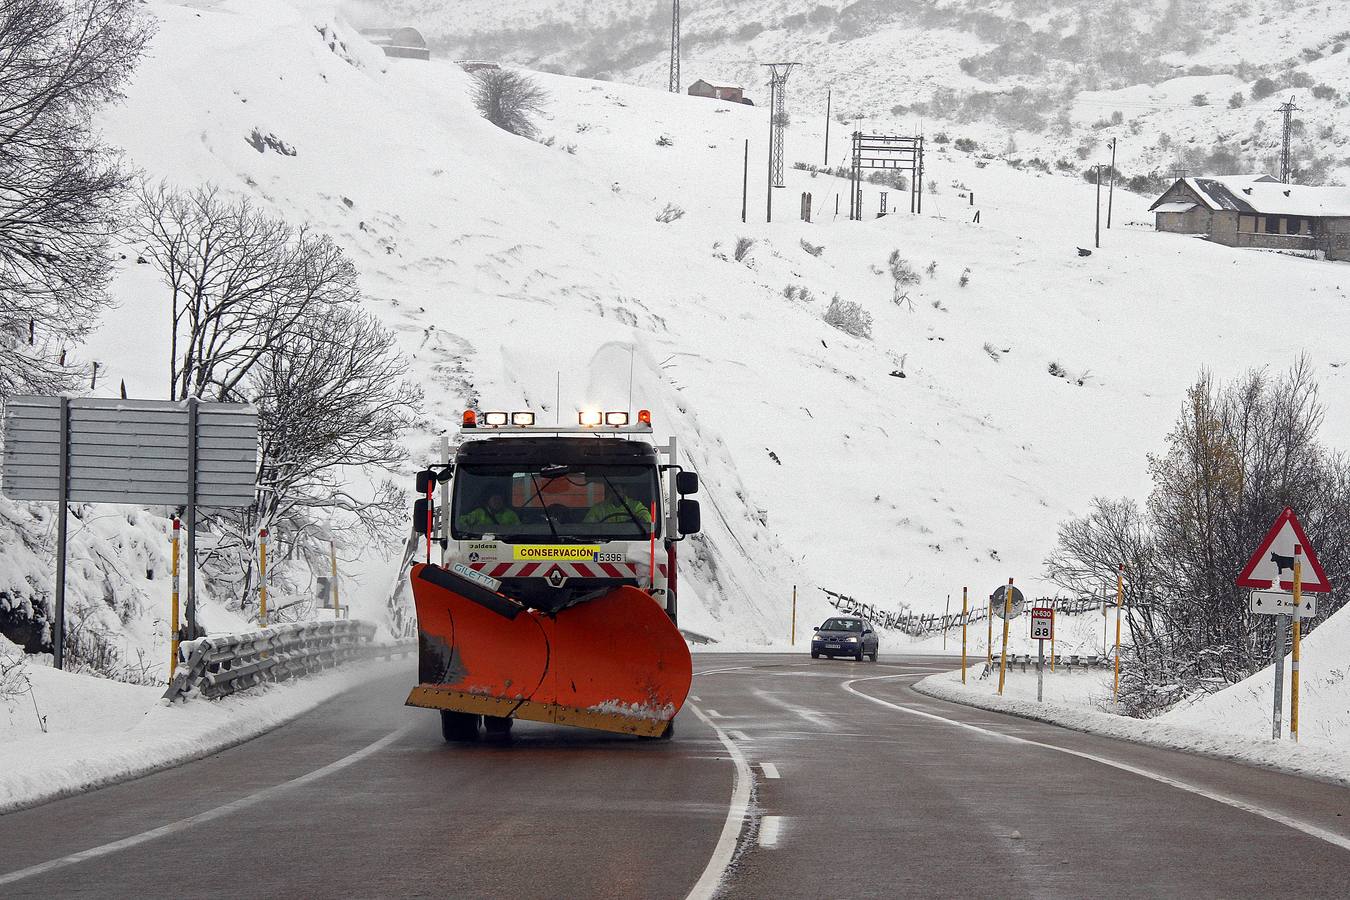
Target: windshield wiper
(548,516)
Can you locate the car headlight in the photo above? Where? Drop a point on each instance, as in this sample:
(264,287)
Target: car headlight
(851,640)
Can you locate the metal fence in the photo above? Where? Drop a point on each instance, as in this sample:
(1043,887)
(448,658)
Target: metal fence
(917,625)
(223,664)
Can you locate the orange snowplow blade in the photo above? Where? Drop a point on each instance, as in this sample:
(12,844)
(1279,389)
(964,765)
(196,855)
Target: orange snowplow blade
(616,663)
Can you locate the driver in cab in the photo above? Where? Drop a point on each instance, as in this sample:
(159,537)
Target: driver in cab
(493,512)
(612,508)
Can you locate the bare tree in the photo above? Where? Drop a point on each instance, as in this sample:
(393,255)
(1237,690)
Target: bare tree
(58,183)
(332,398)
(1239,453)
(239,280)
(509,99)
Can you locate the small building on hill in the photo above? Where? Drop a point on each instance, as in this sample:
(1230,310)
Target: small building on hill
(402,43)
(1259,211)
(703,88)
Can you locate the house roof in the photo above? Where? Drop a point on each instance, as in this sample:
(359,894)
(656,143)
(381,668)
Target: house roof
(1175,207)
(1263,195)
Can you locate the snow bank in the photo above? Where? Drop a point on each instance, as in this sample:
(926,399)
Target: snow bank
(100,732)
(1072,699)
(1324,706)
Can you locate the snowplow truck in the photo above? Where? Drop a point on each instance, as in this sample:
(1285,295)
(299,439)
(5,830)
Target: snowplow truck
(549,590)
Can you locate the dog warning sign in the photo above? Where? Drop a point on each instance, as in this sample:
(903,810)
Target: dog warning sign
(1272,565)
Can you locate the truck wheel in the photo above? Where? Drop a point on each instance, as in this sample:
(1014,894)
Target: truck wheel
(457,726)
(498,726)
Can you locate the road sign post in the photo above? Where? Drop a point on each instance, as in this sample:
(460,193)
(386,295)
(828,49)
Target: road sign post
(1120,601)
(1042,629)
(1007,614)
(1285,547)
(142,452)
(964,611)
(1277,723)
(1293,664)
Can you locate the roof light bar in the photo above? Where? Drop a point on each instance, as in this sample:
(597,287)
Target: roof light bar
(522,419)
(644,417)
(590,418)
(495,419)
(616,419)
(470,419)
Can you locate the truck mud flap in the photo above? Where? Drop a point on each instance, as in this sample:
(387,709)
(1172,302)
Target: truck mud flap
(616,663)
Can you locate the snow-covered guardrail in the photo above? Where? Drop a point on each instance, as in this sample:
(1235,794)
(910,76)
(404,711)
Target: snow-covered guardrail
(223,664)
(917,625)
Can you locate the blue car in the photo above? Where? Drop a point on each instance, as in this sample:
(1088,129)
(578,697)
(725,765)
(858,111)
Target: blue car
(845,636)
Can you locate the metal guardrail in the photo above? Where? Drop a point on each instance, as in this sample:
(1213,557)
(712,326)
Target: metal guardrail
(917,625)
(223,664)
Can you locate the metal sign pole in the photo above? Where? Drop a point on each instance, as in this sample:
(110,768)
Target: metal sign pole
(1281,623)
(1040,671)
(62,500)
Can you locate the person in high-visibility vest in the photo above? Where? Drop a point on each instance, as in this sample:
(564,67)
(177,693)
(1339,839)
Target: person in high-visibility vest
(492,514)
(611,510)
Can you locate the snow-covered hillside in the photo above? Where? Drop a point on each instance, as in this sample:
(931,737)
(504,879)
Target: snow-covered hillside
(503,262)
(1054,80)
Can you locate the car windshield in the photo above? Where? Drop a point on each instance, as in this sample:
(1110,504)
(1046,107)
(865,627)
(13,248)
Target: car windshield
(842,625)
(549,503)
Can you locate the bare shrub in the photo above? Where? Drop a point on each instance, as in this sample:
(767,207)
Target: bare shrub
(509,99)
(669,214)
(849,317)
(812,249)
(743,247)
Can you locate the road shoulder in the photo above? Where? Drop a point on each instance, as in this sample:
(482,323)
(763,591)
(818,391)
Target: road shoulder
(1314,762)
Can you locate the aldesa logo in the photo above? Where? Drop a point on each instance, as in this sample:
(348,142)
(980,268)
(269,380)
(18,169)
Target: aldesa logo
(555,553)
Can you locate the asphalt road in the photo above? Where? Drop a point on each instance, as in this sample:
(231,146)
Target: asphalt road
(788,777)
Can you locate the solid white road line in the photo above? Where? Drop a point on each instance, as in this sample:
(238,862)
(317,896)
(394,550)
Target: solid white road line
(769,770)
(714,714)
(739,735)
(210,815)
(1306,827)
(737,813)
(696,698)
(769,826)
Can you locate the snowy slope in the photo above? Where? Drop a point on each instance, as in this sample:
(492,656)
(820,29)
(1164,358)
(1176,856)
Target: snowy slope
(1324,708)
(502,262)
(1084,61)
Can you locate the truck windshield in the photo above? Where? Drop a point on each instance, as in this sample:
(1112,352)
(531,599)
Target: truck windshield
(554,502)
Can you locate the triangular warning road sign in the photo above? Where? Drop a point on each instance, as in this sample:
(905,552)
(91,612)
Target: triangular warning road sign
(1273,561)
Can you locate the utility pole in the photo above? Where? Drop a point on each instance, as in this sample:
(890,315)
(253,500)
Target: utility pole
(675,47)
(829,100)
(1098,167)
(1285,167)
(745,180)
(1110,202)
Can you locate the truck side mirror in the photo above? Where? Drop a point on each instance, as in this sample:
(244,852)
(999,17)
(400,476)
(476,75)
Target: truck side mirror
(686,483)
(419,516)
(690,520)
(425,479)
